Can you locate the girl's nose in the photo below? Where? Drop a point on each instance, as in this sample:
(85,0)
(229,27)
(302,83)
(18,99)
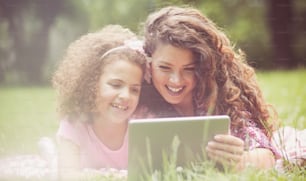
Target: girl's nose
(125,93)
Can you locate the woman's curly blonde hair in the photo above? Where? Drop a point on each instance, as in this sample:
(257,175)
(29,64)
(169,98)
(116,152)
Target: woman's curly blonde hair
(226,83)
(77,76)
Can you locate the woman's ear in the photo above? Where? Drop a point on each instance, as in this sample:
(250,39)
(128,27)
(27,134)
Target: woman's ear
(148,73)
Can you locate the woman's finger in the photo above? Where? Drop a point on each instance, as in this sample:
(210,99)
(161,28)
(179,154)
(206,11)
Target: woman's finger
(229,139)
(222,155)
(233,149)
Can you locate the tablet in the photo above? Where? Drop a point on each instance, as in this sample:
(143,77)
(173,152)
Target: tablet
(180,140)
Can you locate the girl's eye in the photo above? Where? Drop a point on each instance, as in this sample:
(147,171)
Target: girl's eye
(115,85)
(135,90)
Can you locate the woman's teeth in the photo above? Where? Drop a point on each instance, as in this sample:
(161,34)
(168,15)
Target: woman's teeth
(175,89)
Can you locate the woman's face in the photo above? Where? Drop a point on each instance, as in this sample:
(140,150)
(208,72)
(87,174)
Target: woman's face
(118,90)
(173,73)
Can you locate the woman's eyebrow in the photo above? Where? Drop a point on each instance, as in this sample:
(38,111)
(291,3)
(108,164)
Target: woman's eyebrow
(190,64)
(169,64)
(164,62)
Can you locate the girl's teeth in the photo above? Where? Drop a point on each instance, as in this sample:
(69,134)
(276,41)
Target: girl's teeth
(120,107)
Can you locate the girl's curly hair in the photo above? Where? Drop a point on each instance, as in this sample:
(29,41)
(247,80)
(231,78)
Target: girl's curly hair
(226,83)
(77,76)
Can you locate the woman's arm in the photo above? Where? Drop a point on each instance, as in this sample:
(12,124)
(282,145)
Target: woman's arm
(229,150)
(261,158)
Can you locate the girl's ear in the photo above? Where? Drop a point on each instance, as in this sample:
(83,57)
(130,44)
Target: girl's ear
(148,73)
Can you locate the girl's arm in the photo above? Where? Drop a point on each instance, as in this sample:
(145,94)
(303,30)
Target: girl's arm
(68,159)
(229,150)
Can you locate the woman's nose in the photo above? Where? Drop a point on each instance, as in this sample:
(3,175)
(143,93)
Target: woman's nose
(175,77)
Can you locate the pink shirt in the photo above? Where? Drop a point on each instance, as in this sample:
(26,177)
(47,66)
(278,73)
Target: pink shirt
(94,154)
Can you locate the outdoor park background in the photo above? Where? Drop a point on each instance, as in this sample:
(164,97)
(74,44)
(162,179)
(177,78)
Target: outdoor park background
(35,33)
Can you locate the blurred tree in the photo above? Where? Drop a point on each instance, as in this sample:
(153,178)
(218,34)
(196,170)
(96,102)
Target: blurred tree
(35,33)
(299,32)
(128,13)
(29,23)
(30,49)
(280,18)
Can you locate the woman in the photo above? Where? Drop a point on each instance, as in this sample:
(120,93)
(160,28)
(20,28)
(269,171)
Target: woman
(193,71)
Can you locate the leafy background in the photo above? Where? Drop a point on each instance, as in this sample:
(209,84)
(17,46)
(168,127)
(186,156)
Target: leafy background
(35,33)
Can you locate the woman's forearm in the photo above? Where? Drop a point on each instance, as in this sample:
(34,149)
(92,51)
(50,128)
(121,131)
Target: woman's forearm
(260,158)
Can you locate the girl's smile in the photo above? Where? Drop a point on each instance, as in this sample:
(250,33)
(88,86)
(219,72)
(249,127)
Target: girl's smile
(118,106)
(118,90)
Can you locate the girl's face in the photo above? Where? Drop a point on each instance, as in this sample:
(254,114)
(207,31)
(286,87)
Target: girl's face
(118,90)
(173,73)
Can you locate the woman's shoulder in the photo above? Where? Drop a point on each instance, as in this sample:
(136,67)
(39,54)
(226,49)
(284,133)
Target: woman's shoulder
(151,103)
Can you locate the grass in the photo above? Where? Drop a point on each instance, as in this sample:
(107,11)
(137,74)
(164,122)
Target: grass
(28,113)
(286,91)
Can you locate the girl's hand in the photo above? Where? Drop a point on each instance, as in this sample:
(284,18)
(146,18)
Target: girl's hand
(226,149)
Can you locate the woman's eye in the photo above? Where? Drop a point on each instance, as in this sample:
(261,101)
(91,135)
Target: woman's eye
(190,69)
(164,67)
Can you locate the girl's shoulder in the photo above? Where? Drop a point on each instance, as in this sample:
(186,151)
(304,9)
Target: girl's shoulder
(72,130)
(73,125)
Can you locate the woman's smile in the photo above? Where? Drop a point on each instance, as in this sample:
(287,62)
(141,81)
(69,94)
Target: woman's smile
(175,90)
(173,73)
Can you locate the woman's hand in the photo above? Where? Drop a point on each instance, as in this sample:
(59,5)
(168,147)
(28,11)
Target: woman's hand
(226,149)
(229,150)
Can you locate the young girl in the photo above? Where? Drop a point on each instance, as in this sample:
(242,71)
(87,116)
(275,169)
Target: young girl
(194,70)
(98,85)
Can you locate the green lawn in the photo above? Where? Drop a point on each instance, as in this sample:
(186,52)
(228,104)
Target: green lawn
(286,91)
(28,113)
